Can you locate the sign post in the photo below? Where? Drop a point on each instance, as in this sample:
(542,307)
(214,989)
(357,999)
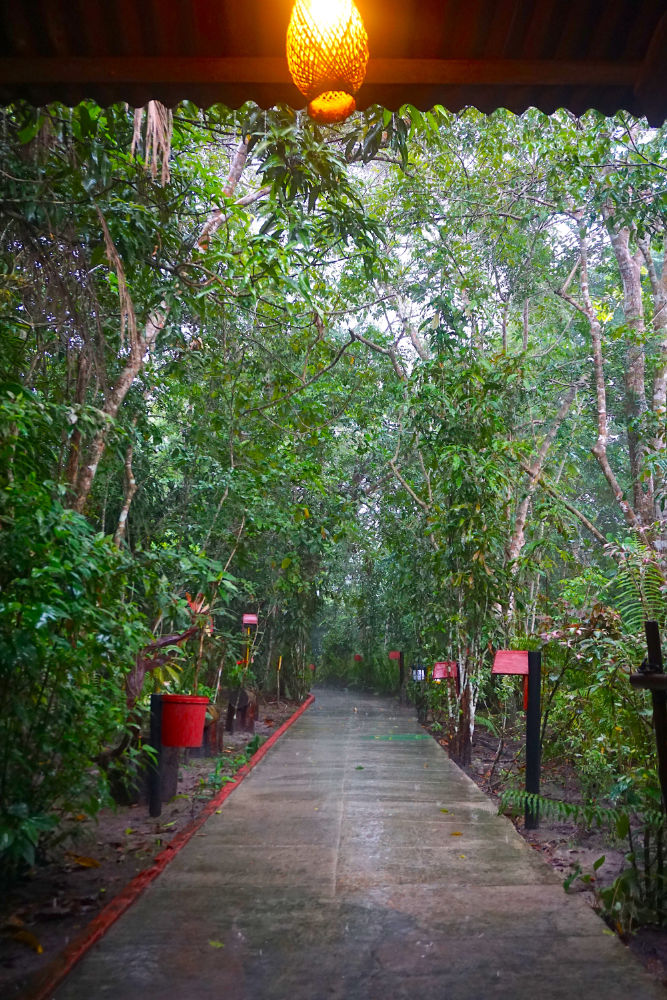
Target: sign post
(397,654)
(533,720)
(154,776)
(529,666)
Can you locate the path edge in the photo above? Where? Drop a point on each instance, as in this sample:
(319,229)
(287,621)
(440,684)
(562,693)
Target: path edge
(60,967)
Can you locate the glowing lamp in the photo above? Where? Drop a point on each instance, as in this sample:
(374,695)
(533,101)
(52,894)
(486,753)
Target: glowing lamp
(327,53)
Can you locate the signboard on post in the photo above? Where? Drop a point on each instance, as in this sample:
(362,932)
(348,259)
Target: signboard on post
(249,619)
(446,670)
(443,670)
(510,661)
(396,654)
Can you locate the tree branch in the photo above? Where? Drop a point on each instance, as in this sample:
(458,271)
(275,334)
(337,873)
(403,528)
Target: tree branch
(566,503)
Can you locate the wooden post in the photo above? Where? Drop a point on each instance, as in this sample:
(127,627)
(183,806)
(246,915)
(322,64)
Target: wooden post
(533,720)
(154,779)
(280,663)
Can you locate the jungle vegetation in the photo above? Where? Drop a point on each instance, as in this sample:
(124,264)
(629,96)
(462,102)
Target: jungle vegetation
(395,384)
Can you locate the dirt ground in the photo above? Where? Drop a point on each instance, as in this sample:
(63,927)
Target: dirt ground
(43,913)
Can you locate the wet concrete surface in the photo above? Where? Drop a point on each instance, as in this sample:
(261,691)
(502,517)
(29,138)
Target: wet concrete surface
(356,862)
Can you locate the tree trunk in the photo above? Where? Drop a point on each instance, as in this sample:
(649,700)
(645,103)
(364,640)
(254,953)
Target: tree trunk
(130,490)
(635,370)
(518,538)
(82,382)
(140,348)
(587,308)
(460,744)
(659,397)
(140,343)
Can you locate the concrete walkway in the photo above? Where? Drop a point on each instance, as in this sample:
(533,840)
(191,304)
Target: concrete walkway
(357,863)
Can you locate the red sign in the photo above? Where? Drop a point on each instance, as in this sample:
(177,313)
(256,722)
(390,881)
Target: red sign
(250,619)
(510,661)
(445,669)
(394,654)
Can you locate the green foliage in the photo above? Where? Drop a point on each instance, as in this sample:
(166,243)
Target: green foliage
(333,427)
(639,585)
(68,636)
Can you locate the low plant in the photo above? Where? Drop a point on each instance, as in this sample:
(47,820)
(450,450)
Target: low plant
(635,814)
(226,768)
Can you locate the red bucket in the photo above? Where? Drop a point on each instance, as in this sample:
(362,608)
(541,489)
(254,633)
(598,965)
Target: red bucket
(183,718)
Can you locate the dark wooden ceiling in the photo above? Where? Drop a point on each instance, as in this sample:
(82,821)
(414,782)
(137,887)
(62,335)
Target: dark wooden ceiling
(578,54)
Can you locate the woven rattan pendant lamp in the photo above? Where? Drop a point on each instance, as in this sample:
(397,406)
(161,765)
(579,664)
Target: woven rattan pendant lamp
(327,52)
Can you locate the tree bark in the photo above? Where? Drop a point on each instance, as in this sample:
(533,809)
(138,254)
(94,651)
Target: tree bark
(587,308)
(659,290)
(635,369)
(140,342)
(82,382)
(518,538)
(140,348)
(130,490)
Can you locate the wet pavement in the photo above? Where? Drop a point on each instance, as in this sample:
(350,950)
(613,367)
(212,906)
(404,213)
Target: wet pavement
(356,862)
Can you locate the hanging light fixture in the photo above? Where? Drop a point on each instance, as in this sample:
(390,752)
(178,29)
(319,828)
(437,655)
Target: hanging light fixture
(327,52)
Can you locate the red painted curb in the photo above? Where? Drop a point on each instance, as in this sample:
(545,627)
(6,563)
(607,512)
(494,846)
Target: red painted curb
(61,966)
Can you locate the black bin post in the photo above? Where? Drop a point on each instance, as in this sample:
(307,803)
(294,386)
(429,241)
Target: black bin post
(154,780)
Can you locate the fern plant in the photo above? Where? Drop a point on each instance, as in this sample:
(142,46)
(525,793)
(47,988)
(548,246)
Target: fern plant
(639,586)
(636,814)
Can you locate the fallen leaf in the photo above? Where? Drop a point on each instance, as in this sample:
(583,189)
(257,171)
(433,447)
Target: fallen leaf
(216,944)
(12,923)
(359,767)
(462,856)
(456,833)
(444,810)
(82,861)
(25,937)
